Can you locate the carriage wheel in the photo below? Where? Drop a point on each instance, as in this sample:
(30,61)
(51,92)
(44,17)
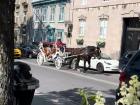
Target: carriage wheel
(30,56)
(58,63)
(40,59)
(73,64)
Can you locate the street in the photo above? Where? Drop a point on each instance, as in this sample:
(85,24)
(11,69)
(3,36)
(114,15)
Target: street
(60,87)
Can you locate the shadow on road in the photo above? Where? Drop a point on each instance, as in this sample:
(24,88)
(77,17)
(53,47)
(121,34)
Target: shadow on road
(68,97)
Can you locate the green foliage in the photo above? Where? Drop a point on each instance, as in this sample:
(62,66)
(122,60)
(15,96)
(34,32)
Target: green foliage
(130,94)
(92,98)
(84,97)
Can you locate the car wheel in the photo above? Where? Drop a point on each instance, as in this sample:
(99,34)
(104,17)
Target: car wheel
(100,68)
(73,64)
(30,56)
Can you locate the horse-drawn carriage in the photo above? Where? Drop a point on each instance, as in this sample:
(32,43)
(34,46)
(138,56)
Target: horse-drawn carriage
(59,54)
(51,52)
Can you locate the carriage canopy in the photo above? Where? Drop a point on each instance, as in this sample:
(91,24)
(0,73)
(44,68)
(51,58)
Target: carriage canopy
(58,44)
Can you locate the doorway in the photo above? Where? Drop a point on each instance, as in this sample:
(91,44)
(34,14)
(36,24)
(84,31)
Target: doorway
(131,35)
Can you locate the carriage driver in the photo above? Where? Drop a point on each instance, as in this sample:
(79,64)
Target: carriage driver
(60,45)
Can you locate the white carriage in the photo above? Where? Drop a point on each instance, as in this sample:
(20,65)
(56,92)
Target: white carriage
(51,54)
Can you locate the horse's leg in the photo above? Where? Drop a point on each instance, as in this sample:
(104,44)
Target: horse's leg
(85,69)
(77,63)
(89,58)
(70,61)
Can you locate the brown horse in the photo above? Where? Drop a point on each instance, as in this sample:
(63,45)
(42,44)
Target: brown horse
(86,54)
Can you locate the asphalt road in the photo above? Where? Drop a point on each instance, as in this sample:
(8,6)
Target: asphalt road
(60,87)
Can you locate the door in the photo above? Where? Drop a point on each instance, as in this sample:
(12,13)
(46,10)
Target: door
(131,35)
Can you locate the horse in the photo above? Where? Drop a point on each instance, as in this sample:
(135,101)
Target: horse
(86,54)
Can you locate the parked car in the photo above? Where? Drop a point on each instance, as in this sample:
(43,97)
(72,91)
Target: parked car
(131,68)
(125,58)
(105,63)
(30,51)
(17,52)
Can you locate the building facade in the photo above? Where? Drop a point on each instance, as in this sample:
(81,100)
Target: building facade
(23,21)
(113,23)
(51,19)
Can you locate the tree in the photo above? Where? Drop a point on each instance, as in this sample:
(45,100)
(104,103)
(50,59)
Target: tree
(41,25)
(6,51)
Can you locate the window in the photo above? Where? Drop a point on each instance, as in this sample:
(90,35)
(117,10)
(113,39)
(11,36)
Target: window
(44,14)
(83,2)
(41,14)
(61,14)
(36,14)
(17,17)
(52,13)
(60,33)
(25,17)
(82,27)
(103,27)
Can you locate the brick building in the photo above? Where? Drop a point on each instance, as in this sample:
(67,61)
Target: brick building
(23,21)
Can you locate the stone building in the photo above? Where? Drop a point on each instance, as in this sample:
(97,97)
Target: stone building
(23,21)
(113,24)
(51,19)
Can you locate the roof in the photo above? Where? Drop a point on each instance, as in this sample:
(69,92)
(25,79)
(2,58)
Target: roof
(42,2)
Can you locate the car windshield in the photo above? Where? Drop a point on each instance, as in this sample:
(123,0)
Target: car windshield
(104,56)
(136,62)
(128,55)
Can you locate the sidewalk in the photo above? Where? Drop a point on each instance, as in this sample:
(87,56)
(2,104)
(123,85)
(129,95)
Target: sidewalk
(62,98)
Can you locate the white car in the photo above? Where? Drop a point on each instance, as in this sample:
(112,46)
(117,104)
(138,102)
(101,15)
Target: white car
(103,64)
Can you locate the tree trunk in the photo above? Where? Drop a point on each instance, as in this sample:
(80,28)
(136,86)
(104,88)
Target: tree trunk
(6,51)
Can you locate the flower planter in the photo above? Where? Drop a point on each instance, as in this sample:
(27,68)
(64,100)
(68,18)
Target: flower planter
(80,41)
(100,42)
